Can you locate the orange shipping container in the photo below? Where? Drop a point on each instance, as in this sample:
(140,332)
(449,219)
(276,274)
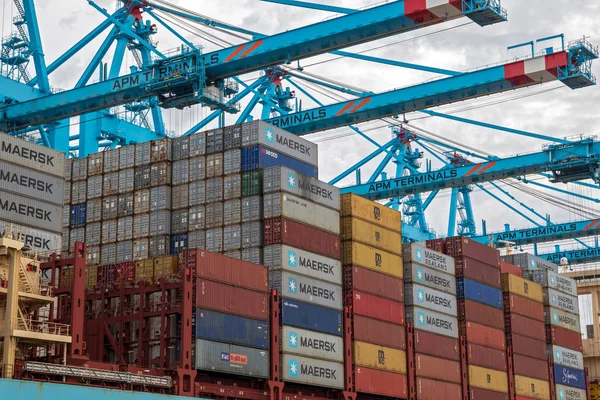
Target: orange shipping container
(381,383)
(483,335)
(437,368)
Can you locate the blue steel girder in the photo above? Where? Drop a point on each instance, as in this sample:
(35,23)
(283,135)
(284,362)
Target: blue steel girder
(574,256)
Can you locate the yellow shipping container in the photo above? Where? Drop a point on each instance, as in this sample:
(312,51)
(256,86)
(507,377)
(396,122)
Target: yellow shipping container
(522,287)
(164,267)
(489,379)
(375,213)
(379,357)
(371,258)
(532,388)
(372,235)
(91,277)
(144,271)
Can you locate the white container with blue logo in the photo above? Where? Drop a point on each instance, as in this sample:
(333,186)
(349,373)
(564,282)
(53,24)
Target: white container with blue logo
(416,273)
(431,321)
(562,319)
(291,259)
(283,179)
(311,371)
(417,254)
(566,357)
(561,301)
(298,209)
(311,344)
(556,281)
(431,299)
(307,290)
(569,393)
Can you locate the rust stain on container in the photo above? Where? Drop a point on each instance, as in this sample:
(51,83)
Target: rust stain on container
(460,246)
(524,326)
(381,383)
(530,367)
(526,346)
(469,310)
(483,335)
(428,389)
(486,357)
(523,306)
(437,368)
(563,337)
(379,332)
(437,345)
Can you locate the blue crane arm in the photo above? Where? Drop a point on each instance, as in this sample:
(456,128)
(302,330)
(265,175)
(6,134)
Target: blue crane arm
(574,256)
(345,31)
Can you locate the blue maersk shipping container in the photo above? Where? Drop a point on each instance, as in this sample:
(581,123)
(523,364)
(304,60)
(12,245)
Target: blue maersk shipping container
(78,215)
(260,157)
(221,327)
(311,317)
(569,377)
(179,243)
(475,291)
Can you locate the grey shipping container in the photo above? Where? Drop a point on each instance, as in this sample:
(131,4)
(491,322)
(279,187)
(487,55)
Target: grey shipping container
(161,150)
(561,301)
(142,154)
(302,288)
(259,132)
(181,172)
(111,161)
(108,254)
(214,240)
(198,144)
(30,212)
(180,196)
(124,251)
(127,157)
(77,235)
(65,245)
(284,179)
(530,262)
(69,170)
(562,319)
(252,234)
(141,177)
(159,246)
(66,216)
(140,249)
(214,165)
(253,254)
(232,212)
(16,151)
(214,141)
(110,207)
(567,357)
(231,359)
(126,180)
(125,228)
(232,137)
(160,198)
(214,215)
(141,226)
(125,205)
(232,187)
(419,254)
(160,223)
(214,190)
(197,239)
(291,259)
(302,370)
(431,321)
(232,237)
(232,162)
(95,163)
(31,183)
(197,218)
(556,281)
(179,221)
(109,231)
(93,234)
(197,194)
(36,239)
(431,299)
(252,209)
(570,393)
(93,210)
(237,254)
(79,169)
(92,256)
(311,344)
(301,210)
(181,148)
(111,183)
(78,192)
(141,201)
(94,186)
(160,174)
(67,193)
(197,168)
(416,273)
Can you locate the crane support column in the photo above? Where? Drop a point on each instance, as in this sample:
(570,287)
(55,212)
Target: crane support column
(10,250)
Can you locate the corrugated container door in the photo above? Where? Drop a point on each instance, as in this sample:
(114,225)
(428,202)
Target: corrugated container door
(198,144)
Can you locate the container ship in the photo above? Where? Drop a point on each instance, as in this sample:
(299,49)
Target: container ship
(217,265)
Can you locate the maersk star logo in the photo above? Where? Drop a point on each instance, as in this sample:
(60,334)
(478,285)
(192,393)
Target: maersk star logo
(420,275)
(555,317)
(561,393)
(553,299)
(293,339)
(420,295)
(293,368)
(269,135)
(292,259)
(532,264)
(419,254)
(292,180)
(557,354)
(292,285)
(421,318)
(552,280)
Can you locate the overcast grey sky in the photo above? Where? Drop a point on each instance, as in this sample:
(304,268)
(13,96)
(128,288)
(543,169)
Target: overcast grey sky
(559,112)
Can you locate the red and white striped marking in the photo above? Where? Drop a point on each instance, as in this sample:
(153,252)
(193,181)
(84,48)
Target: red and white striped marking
(535,70)
(421,11)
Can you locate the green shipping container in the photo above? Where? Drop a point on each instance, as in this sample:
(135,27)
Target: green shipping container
(252,183)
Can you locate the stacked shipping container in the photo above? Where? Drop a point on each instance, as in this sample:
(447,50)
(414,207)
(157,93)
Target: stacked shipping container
(374,294)
(529,264)
(432,309)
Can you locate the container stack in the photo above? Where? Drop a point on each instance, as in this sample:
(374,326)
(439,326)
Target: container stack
(231,316)
(430,292)
(307,276)
(529,263)
(481,317)
(374,295)
(563,335)
(525,334)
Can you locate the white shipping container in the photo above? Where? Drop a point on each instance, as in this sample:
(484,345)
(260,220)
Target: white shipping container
(31,155)
(312,344)
(66,216)
(431,321)
(567,357)
(108,254)
(65,245)
(160,223)
(214,240)
(305,289)
(77,235)
(109,231)
(197,144)
(93,211)
(302,262)
(93,236)
(67,193)
(197,168)
(556,281)
(126,180)
(181,148)
(180,196)
(232,237)
(570,393)
(141,226)
(94,187)
(142,154)
(34,238)
(92,256)
(78,192)
(253,255)
(161,174)
(419,254)
(140,249)
(181,172)
(197,240)
(160,198)
(80,169)
(32,213)
(197,218)
(232,212)
(431,299)
(232,161)
(125,229)
(252,234)
(197,193)
(110,207)
(232,186)
(125,205)
(561,301)
(301,210)
(433,278)
(31,183)
(311,371)
(127,157)
(141,201)
(562,319)
(69,169)
(214,165)
(214,190)
(124,251)
(252,209)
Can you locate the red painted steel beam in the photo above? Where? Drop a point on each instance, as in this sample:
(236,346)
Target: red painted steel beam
(349,392)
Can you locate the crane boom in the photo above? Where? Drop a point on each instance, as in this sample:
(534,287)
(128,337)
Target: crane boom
(574,256)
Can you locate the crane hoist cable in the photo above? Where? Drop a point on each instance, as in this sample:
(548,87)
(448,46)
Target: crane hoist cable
(194,30)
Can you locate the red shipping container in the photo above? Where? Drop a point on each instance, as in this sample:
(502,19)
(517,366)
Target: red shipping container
(375,307)
(437,368)
(523,306)
(428,389)
(378,332)
(232,300)
(473,311)
(507,268)
(381,383)
(482,394)
(284,231)
(125,271)
(372,282)
(563,337)
(458,246)
(483,335)
(437,345)
(486,357)
(438,245)
(107,275)
(217,267)
(527,346)
(524,326)
(530,367)
(478,271)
